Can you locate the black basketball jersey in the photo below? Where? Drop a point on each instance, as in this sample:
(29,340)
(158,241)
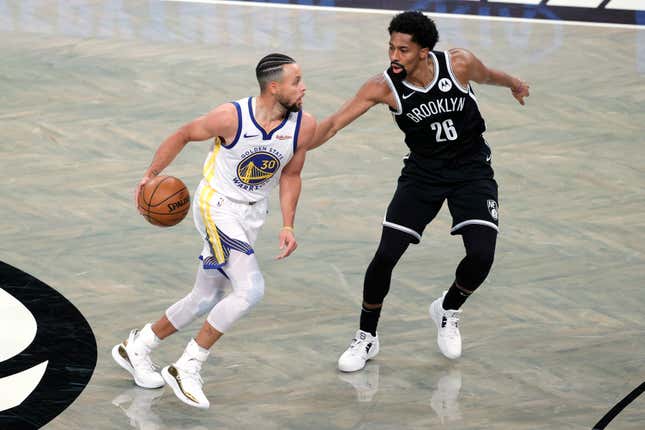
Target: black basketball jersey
(442,120)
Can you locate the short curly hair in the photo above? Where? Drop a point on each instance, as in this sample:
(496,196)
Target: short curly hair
(419,26)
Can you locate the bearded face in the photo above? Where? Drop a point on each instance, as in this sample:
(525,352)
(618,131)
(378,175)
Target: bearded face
(290,106)
(397,71)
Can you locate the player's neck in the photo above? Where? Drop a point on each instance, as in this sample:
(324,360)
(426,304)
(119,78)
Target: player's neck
(422,75)
(268,111)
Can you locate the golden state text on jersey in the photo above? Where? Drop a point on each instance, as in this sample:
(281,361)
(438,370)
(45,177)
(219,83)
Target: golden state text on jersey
(248,168)
(257,168)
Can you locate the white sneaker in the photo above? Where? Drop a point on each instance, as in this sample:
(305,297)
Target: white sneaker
(184,378)
(364,347)
(134,356)
(447,321)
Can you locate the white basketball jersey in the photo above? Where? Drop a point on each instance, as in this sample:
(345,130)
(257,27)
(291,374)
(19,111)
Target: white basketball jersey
(249,167)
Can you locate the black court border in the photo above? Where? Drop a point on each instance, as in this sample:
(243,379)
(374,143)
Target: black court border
(486,8)
(609,416)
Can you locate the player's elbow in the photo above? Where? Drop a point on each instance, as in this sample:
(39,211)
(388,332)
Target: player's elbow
(184,135)
(290,183)
(290,177)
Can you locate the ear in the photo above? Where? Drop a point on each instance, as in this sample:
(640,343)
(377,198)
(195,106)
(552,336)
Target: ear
(423,53)
(273,87)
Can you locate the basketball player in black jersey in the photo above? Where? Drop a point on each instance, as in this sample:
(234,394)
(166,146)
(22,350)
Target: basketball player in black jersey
(433,103)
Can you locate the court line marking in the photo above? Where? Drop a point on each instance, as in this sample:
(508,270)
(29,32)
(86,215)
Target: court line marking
(345,285)
(635,5)
(392,11)
(619,407)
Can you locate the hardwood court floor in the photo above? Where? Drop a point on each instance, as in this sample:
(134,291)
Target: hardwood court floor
(554,338)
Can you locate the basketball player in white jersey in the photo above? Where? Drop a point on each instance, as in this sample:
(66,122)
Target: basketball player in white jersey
(259,142)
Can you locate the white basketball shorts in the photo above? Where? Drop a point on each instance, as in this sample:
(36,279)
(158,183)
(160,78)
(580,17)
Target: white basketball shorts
(225,225)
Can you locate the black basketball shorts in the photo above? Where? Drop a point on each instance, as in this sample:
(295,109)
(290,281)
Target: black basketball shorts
(469,188)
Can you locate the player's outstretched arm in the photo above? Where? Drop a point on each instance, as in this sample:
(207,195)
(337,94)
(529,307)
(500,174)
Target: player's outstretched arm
(221,121)
(291,184)
(467,67)
(374,91)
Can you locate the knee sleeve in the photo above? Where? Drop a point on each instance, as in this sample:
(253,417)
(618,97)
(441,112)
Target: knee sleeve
(479,242)
(379,273)
(254,290)
(207,292)
(248,290)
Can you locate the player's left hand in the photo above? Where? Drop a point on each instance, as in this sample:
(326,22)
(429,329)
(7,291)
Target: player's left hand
(520,91)
(288,243)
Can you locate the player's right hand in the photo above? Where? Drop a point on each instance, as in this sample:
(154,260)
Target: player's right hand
(137,190)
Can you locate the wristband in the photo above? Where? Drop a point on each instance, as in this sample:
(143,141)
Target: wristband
(289,228)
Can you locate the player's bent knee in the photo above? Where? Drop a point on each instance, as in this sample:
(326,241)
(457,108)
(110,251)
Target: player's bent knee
(385,259)
(478,266)
(190,307)
(483,258)
(245,295)
(254,291)
(206,304)
(181,313)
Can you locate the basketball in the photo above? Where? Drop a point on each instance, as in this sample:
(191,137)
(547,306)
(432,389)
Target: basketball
(164,201)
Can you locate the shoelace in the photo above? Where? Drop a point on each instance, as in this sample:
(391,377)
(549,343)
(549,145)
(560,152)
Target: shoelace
(144,361)
(358,345)
(192,372)
(452,325)
(154,366)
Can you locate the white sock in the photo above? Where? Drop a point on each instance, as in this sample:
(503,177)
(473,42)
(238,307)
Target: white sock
(193,351)
(148,337)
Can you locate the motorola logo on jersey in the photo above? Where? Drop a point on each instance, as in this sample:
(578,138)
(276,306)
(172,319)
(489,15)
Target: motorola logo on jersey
(445,85)
(48,355)
(256,169)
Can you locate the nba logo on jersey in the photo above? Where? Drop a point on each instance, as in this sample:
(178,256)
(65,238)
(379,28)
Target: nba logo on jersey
(492,208)
(445,85)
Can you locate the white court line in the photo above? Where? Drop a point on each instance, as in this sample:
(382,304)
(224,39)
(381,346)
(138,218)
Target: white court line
(533,2)
(575,3)
(345,285)
(390,12)
(626,4)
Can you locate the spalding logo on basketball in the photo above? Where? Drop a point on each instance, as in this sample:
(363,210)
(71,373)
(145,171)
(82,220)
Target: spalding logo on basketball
(164,201)
(257,168)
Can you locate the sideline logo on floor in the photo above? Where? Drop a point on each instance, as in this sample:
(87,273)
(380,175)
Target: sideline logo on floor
(47,351)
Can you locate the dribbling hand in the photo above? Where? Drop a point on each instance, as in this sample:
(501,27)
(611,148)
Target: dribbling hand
(137,191)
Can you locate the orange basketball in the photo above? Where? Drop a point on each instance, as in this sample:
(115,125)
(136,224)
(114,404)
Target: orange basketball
(164,201)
